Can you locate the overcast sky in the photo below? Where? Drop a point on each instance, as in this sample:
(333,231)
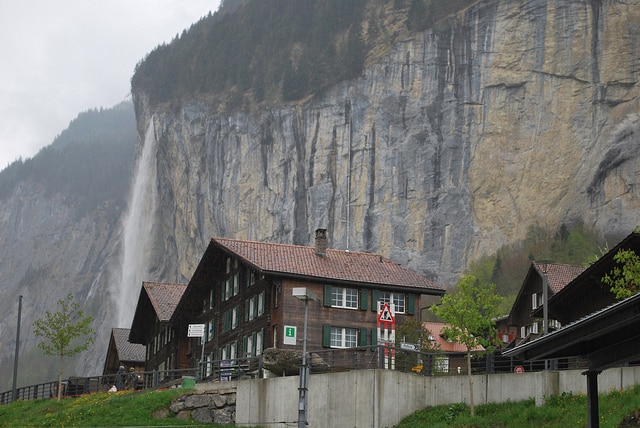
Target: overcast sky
(61,57)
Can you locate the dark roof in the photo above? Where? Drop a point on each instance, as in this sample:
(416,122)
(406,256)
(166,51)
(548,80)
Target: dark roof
(164,297)
(559,275)
(127,351)
(337,265)
(608,337)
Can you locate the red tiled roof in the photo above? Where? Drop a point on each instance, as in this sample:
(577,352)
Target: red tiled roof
(435,328)
(126,350)
(337,265)
(559,275)
(164,297)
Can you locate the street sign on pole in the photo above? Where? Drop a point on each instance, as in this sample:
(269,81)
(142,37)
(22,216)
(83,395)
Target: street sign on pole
(289,335)
(195,330)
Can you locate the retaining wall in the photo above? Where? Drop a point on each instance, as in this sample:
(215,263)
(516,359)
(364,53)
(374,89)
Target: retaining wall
(381,398)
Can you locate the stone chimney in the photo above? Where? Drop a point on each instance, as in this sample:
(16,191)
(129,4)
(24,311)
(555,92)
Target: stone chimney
(321,242)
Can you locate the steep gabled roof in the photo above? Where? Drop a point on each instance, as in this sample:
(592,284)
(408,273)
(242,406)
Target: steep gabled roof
(164,297)
(157,302)
(559,275)
(127,351)
(337,265)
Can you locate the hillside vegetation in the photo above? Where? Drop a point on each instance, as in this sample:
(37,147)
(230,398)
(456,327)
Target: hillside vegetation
(573,245)
(279,50)
(89,163)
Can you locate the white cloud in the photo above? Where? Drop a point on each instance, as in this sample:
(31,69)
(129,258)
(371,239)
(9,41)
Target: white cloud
(62,57)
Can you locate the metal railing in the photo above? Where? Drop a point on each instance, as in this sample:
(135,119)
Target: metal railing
(321,361)
(242,368)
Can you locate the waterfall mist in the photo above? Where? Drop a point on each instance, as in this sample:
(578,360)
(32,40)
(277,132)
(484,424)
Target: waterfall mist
(137,236)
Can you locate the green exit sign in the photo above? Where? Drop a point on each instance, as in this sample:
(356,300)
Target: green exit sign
(289,335)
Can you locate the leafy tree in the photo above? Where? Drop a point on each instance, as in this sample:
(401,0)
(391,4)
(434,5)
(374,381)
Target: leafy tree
(412,331)
(66,333)
(624,279)
(470,310)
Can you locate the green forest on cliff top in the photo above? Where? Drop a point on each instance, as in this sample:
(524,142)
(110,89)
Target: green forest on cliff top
(271,51)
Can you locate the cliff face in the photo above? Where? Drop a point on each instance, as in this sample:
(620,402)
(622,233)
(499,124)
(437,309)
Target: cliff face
(447,148)
(507,114)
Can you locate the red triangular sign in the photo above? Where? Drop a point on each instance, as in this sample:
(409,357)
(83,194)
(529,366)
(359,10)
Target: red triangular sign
(385,314)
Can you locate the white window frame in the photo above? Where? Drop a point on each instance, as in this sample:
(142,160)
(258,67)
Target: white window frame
(398,300)
(341,337)
(343,297)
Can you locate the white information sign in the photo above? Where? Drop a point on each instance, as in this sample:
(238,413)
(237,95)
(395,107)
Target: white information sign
(289,335)
(195,330)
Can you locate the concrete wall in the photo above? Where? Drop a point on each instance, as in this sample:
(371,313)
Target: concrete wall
(381,398)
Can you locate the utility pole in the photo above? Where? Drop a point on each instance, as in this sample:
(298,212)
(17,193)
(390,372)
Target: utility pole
(15,362)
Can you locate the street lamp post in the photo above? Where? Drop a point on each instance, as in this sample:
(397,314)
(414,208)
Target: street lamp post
(15,361)
(303,293)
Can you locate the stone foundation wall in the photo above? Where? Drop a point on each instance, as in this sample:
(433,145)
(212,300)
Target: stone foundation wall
(214,406)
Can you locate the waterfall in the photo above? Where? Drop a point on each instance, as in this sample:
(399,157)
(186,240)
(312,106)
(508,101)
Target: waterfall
(137,231)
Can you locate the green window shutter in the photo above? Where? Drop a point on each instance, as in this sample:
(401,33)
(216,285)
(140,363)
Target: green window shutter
(364,297)
(374,338)
(411,304)
(375,296)
(254,341)
(246,310)
(363,337)
(327,295)
(326,335)
(255,305)
(245,343)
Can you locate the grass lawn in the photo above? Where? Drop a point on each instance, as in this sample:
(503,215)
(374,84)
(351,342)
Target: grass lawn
(565,410)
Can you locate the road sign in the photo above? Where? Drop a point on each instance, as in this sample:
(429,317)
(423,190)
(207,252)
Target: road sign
(410,346)
(385,315)
(195,330)
(289,335)
(518,369)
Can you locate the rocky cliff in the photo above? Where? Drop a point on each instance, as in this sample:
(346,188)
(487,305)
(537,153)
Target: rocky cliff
(60,227)
(508,114)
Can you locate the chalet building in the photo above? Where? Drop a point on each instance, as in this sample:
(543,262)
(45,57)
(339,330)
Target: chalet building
(242,291)
(586,293)
(450,357)
(523,320)
(151,326)
(121,352)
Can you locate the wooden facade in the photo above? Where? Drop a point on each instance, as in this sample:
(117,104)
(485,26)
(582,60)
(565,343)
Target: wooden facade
(524,320)
(152,328)
(243,292)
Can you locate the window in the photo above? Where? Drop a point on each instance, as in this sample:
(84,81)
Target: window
(209,332)
(344,297)
(261,303)
(441,364)
(230,319)
(396,298)
(342,337)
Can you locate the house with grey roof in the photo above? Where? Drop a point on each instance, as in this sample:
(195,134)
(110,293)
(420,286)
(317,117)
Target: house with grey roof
(242,291)
(121,352)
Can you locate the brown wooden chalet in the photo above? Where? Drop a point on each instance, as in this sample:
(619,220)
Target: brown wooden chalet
(151,325)
(597,327)
(121,352)
(243,292)
(523,320)
(587,293)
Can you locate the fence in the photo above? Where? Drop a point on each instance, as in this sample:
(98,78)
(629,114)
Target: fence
(321,361)
(74,386)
